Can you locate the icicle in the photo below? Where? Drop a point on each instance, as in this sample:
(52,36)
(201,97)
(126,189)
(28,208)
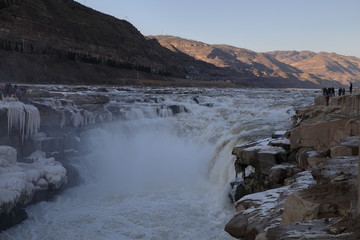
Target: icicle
(25,118)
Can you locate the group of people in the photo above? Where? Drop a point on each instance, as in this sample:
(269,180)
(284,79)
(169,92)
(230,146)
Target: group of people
(330,92)
(12,91)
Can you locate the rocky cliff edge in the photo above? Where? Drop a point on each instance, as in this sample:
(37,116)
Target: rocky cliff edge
(307,189)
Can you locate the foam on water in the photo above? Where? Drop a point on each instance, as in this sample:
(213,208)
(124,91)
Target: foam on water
(161,176)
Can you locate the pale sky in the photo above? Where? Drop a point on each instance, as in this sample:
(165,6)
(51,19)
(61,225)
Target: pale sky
(258,25)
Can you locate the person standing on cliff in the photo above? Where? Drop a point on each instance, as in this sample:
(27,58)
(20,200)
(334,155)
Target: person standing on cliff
(327,96)
(350,88)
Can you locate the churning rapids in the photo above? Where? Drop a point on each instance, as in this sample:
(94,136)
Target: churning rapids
(158,175)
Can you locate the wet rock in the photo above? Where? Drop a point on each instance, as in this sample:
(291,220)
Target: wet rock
(334,168)
(348,146)
(210,105)
(237,151)
(307,158)
(238,190)
(176,109)
(341,150)
(16,216)
(333,196)
(268,158)
(237,226)
(102,89)
(315,229)
(88,100)
(249,156)
(350,141)
(279,134)
(35,93)
(280,142)
(279,173)
(264,209)
(196,99)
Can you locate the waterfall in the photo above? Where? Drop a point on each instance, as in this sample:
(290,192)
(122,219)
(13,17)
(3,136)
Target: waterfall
(162,170)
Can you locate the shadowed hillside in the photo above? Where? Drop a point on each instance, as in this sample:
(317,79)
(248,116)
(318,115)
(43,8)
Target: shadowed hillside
(64,41)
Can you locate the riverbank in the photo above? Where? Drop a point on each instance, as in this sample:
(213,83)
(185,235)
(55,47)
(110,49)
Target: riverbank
(312,180)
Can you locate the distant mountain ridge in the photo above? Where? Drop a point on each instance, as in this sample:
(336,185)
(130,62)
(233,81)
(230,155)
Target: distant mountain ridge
(343,69)
(319,68)
(62,41)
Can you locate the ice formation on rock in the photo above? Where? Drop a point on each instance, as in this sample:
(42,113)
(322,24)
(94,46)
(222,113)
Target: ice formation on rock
(7,156)
(23,117)
(73,115)
(20,181)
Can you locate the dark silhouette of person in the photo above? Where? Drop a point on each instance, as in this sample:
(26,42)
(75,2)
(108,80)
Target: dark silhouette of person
(327,96)
(350,88)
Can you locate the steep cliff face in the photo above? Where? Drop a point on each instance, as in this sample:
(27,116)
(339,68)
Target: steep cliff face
(319,202)
(64,41)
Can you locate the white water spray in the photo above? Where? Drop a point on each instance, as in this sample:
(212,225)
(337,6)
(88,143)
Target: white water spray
(161,175)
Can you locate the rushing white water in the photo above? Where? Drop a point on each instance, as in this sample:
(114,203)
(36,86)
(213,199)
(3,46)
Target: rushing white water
(156,175)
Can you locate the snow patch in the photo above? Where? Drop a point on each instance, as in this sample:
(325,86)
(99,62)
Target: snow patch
(19,181)
(8,156)
(264,208)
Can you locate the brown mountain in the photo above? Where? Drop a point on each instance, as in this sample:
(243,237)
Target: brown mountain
(239,59)
(318,68)
(64,41)
(332,66)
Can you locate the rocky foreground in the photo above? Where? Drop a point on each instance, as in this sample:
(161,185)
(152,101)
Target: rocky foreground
(301,184)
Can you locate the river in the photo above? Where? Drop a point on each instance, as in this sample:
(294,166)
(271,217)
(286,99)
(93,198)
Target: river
(158,175)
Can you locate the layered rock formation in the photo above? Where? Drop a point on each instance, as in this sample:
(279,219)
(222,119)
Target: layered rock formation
(62,41)
(317,198)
